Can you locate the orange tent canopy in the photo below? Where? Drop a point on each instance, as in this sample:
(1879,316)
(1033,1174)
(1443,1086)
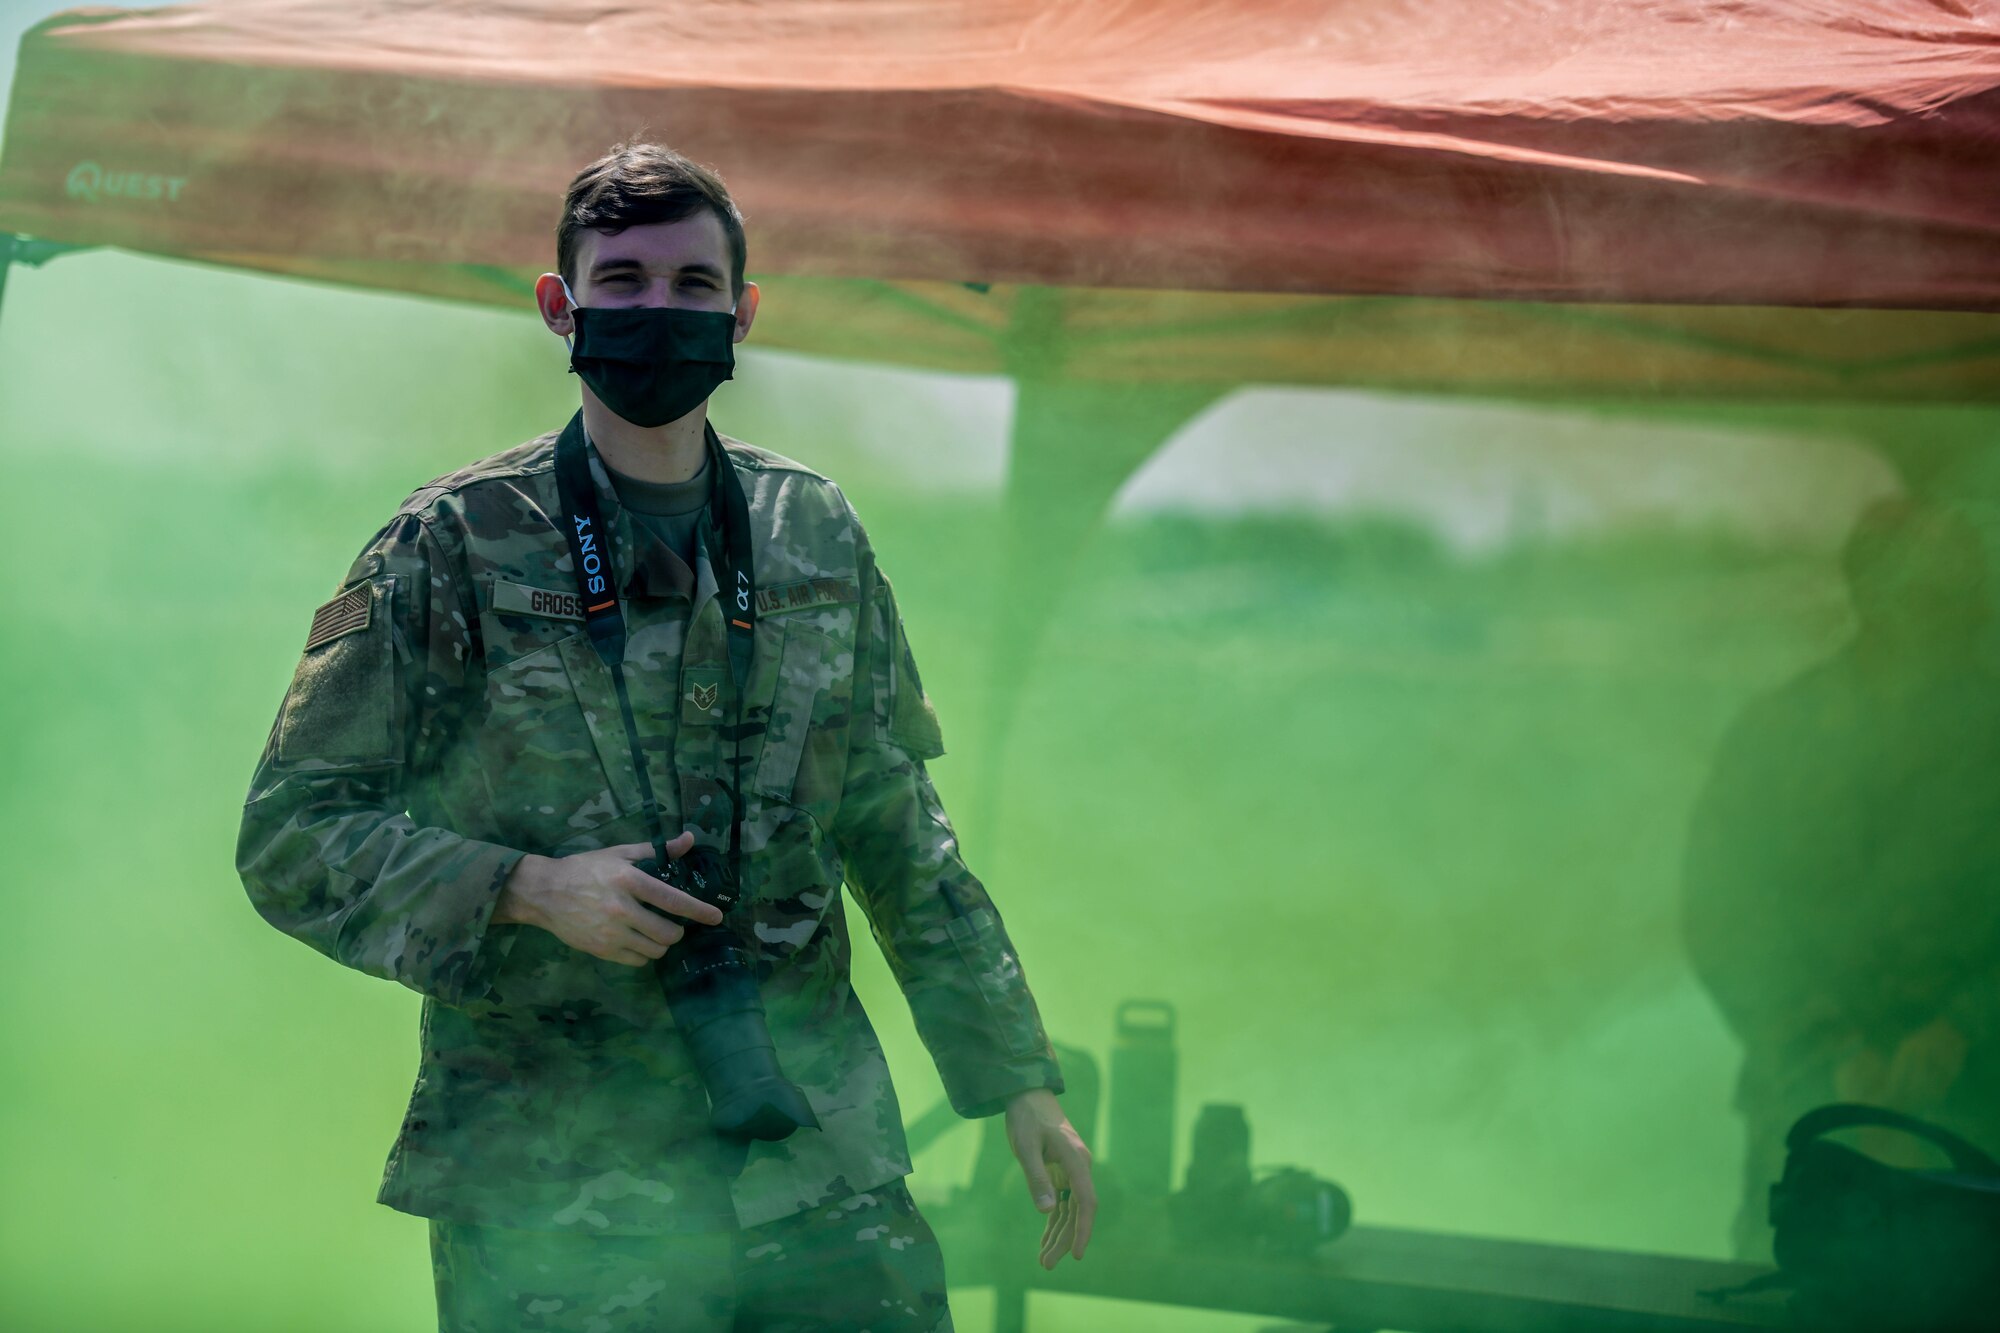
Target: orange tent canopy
(1791,152)
(1205,176)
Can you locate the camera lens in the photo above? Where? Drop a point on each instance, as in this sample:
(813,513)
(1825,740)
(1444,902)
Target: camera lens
(711,990)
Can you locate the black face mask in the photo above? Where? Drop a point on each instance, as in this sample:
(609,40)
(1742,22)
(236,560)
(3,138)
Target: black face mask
(652,365)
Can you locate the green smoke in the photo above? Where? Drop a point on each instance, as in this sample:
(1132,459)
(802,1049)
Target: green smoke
(1386,789)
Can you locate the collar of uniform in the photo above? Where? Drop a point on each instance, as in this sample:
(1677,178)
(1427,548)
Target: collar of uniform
(656,570)
(641,562)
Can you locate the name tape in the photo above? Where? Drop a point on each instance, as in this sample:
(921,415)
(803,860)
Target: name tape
(518,599)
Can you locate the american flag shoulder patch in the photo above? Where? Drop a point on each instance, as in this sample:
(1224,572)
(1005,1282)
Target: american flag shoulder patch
(343,615)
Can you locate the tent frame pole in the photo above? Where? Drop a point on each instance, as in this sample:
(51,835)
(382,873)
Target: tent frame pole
(1057,494)
(15,248)
(8,243)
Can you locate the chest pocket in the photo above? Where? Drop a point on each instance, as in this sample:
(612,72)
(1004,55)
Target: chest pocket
(557,760)
(804,753)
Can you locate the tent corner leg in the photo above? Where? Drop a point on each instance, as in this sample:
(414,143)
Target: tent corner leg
(8,243)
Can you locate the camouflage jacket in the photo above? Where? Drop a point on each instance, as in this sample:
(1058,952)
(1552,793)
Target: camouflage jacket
(449,715)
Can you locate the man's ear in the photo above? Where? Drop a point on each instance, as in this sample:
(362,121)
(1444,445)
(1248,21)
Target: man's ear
(746,311)
(554,306)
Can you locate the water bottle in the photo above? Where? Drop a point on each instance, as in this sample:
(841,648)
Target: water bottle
(1144,1069)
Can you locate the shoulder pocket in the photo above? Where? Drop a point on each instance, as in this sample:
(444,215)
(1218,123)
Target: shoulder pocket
(345,702)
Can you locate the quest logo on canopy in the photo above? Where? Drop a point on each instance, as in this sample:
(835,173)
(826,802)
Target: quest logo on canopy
(91,182)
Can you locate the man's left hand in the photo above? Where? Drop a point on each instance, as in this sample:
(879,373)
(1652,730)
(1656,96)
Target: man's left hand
(1057,1166)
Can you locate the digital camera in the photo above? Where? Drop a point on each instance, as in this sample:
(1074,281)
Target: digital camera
(711,988)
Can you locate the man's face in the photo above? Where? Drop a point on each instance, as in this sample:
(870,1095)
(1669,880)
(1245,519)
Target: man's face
(681,265)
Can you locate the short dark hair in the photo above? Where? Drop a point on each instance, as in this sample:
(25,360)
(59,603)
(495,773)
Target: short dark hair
(638,183)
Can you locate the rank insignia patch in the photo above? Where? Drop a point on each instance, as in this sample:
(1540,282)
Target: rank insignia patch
(702,696)
(343,615)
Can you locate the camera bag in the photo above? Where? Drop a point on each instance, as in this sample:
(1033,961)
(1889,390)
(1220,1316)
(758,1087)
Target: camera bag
(1866,1245)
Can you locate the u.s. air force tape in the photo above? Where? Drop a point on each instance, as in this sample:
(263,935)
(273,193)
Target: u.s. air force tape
(343,615)
(804,594)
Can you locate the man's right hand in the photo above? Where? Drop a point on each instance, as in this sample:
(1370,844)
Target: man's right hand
(601,903)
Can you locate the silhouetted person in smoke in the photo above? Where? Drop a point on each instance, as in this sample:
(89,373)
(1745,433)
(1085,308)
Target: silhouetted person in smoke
(1843,861)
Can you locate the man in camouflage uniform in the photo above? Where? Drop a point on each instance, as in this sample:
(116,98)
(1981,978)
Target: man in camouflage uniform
(449,798)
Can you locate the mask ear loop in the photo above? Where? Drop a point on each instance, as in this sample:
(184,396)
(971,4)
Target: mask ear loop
(571,298)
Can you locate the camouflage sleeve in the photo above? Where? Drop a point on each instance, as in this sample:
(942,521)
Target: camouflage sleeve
(937,927)
(327,849)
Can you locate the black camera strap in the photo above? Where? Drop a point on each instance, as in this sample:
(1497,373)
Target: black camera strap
(604,620)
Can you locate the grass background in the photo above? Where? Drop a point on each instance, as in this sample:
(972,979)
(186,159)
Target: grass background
(1394,826)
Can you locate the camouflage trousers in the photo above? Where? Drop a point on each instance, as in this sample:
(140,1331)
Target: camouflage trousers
(867,1262)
